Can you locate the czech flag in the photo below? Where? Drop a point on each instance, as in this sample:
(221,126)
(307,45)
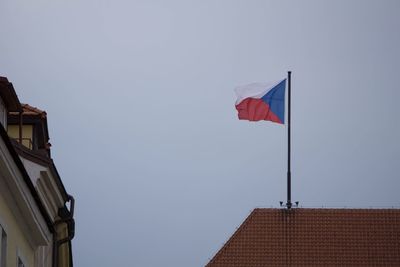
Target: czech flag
(261,101)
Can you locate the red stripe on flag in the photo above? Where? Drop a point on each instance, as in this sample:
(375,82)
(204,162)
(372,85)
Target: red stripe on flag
(255,110)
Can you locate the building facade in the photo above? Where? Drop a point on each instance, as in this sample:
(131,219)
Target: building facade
(36,212)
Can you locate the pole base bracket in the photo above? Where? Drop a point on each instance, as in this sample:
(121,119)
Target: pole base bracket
(289,205)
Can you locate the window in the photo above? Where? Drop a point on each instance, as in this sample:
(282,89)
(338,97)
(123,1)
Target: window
(3,247)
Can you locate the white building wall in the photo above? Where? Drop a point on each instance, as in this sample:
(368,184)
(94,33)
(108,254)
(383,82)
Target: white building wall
(33,169)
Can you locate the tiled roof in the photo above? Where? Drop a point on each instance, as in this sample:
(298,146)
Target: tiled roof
(29,110)
(314,237)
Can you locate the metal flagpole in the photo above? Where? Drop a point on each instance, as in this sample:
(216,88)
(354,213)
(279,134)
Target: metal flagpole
(289,175)
(289,203)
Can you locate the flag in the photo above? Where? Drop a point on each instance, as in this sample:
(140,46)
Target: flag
(261,101)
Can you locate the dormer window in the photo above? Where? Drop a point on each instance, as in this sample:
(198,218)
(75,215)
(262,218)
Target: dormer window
(27,134)
(29,128)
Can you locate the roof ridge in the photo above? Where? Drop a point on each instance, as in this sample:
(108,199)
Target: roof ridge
(395,207)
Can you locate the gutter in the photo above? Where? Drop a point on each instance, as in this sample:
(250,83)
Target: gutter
(67,216)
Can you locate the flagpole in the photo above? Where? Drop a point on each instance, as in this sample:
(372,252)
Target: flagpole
(289,175)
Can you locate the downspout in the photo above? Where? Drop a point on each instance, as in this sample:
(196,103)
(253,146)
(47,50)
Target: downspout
(69,220)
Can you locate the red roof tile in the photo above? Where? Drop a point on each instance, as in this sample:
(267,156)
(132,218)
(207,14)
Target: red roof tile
(29,110)
(314,237)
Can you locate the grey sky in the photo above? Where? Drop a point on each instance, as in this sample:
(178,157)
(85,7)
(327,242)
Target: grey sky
(140,101)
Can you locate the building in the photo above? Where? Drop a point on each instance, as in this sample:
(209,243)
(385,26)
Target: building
(36,212)
(314,237)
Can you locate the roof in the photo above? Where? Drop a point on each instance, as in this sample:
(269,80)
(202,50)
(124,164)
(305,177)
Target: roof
(33,111)
(314,237)
(29,110)
(7,93)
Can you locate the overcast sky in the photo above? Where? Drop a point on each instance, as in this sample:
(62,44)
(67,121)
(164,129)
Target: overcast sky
(140,103)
